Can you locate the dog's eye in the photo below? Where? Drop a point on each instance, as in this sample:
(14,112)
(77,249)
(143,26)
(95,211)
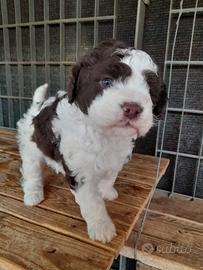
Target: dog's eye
(105,83)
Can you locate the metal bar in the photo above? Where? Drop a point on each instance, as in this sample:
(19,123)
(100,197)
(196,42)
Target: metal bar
(159,160)
(185,110)
(157,137)
(180,154)
(171,67)
(177,63)
(167,39)
(78,27)
(115,18)
(184,98)
(66,21)
(175,195)
(15,97)
(96,12)
(46,39)
(36,62)
(9,129)
(32,45)
(164,76)
(19,53)
(198,167)
(62,46)
(1,109)
(1,105)
(169,109)
(7,58)
(187,10)
(139,24)
(122,263)
(9,91)
(1,113)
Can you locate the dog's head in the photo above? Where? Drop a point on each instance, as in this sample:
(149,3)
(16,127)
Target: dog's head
(118,88)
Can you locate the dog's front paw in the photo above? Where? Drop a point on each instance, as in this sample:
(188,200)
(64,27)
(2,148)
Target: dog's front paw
(110,194)
(33,198)
(103,230)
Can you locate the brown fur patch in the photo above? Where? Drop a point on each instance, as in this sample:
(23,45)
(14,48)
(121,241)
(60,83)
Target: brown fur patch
(45,138)
(158,92)
(71,180)
(84,84)
(43,134)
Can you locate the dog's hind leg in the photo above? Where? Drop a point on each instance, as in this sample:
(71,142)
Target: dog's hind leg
(32,180)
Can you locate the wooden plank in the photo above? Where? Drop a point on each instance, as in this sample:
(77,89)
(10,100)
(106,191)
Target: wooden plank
(168,242)
(149,160)
(166,260)
(129,204)
(60,181)
(179,206)
(131,189)
(8,141)
(181,224)
(138,178)
(9,265)
(8,146)
(59,213)
(9,163)
(142,266)
(174,230)
(140,164)
(7,133)
(62,202)
(131,193)
(147,173)
(55,222)
(33,247)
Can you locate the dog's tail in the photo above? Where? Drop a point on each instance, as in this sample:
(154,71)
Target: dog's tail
(40,95)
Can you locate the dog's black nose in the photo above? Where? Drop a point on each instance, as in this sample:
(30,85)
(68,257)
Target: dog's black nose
(131,109)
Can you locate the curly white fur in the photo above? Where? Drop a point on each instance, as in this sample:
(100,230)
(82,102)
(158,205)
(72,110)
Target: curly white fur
(94,146)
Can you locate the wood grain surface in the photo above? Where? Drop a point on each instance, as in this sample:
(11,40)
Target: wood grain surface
(172,238)
(53,235)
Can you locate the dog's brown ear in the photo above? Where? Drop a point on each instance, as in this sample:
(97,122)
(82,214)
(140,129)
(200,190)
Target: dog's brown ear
(160,107)
(72,82)
(158,92)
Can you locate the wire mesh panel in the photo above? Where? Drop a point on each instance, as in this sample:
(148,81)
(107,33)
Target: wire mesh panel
(181,135)
(40,40)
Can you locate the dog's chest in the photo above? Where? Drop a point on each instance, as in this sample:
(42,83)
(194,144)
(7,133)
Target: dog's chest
(112,157)
(89,153)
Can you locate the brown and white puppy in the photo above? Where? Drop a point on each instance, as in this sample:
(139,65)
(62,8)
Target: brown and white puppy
(86,133)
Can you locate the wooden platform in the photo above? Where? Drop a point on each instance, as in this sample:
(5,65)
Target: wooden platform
(172,238)
(53,235)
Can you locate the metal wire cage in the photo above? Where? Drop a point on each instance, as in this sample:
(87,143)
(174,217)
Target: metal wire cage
(181,135)
(40,40)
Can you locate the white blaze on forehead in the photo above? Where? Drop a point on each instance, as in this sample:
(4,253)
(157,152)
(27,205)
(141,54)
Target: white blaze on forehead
(137,60)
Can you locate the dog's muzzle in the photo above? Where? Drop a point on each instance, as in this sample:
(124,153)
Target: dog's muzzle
(131,110)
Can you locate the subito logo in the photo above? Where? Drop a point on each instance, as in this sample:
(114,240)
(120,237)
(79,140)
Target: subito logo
(147,248)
